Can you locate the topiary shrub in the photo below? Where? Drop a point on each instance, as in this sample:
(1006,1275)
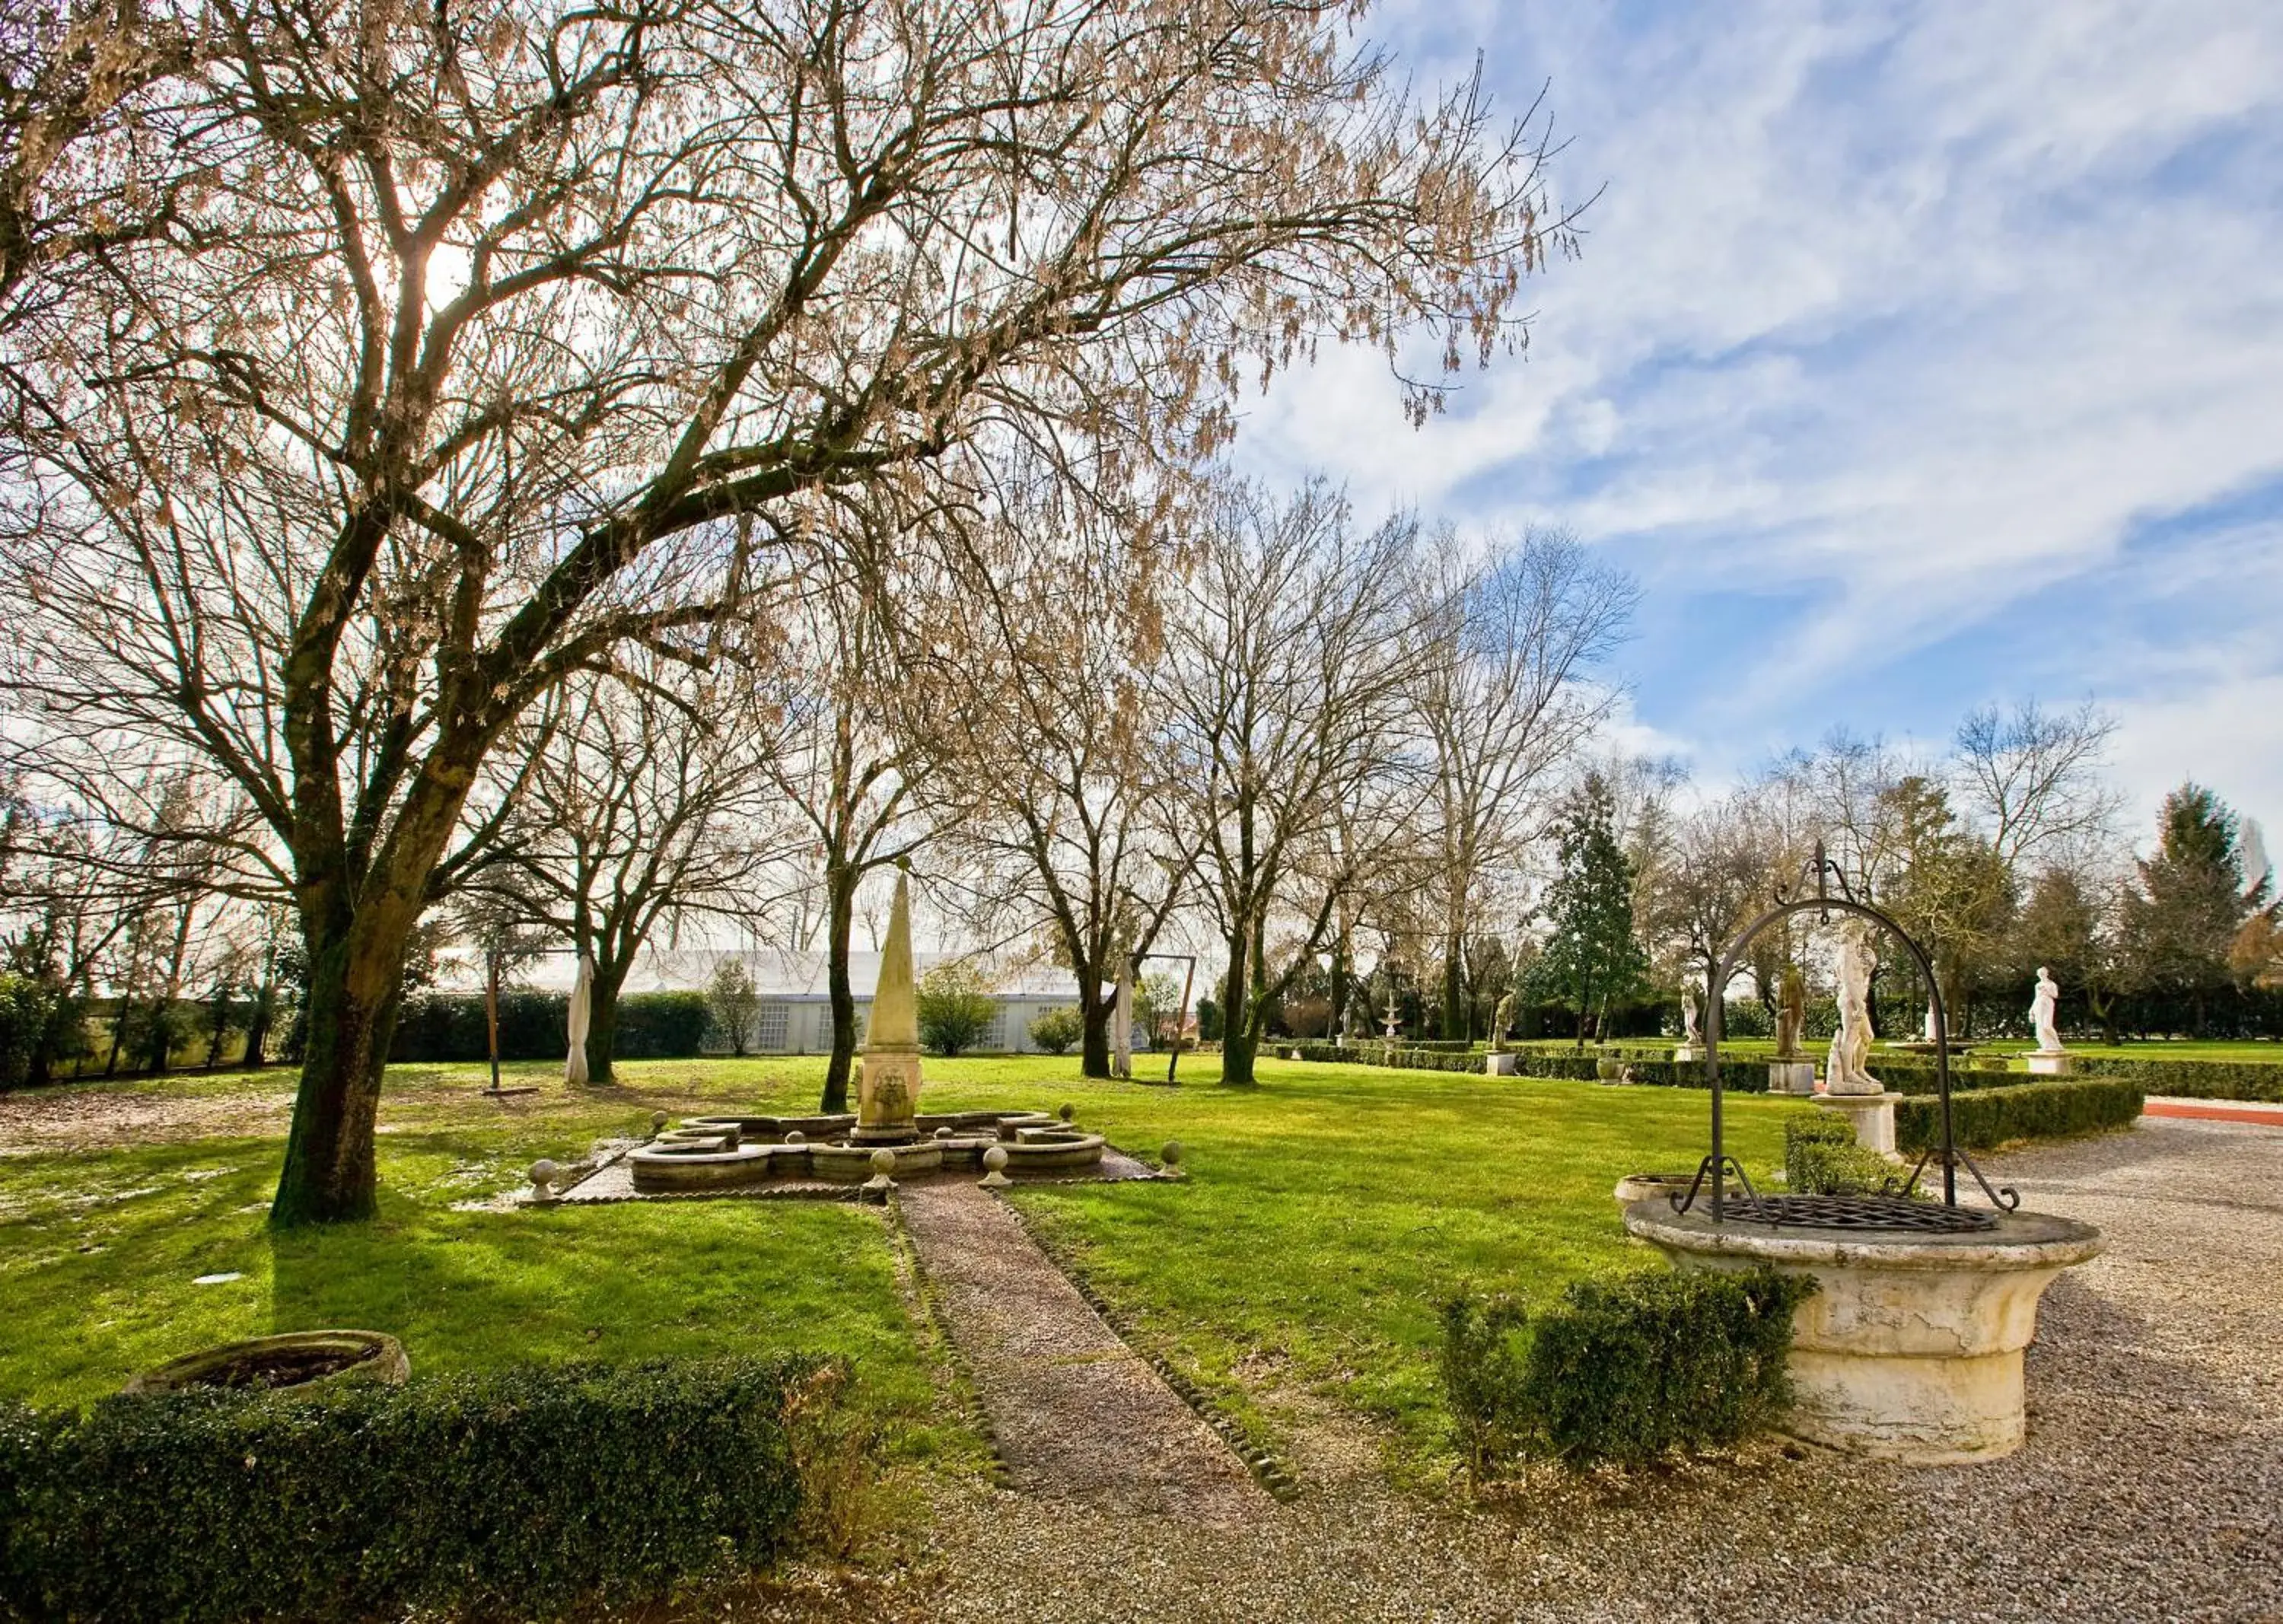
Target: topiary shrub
(1821,1158)
(1053,1031)
(509,1493)
(1626,1369)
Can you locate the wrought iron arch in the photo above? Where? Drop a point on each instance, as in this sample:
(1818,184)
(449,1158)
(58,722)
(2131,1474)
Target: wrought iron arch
(1716,1166)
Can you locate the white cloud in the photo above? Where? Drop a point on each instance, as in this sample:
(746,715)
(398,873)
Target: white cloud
(1907,313)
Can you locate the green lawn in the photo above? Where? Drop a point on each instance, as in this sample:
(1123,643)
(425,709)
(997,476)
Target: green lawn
(1327,1212)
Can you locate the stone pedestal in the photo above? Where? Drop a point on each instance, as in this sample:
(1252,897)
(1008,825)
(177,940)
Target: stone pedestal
(1791,1077)
(1912,1349)
(1686,1054)
(1501,1066)
(2061,1063)
(1874,1116)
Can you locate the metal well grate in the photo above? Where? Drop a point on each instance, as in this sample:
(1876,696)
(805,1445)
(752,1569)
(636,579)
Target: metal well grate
(1860,1213)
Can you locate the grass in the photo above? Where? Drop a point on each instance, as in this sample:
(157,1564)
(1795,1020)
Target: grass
(1328,1211)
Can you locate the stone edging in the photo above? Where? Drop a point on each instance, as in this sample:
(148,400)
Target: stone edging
(1264,1464)
(966,1392)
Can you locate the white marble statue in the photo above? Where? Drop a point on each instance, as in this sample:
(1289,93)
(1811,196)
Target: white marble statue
(1851,1045)
(1689,1037)
(2042,1012)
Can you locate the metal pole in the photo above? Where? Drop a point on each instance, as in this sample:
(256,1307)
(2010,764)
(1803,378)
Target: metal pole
(491,1011)
(1181,1020)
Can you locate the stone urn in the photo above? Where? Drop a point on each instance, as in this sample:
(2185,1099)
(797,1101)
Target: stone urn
(299,1360)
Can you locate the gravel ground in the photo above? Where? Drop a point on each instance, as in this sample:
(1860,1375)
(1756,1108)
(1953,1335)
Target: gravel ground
(2149,1488)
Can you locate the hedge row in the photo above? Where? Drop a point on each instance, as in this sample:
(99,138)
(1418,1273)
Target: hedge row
(1744,1077)
(1625,1369)
(509,1493)
(535,1026)
(1983,1118)
(2245,1080)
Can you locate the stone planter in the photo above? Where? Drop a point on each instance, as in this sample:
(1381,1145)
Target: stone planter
(297,1360)
(1501,1065)
(1912,1349)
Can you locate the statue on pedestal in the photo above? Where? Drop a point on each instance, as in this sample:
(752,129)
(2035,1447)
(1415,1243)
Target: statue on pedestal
(1689,1038)
(1851,1046)
(1502,1020)
(2043,1013)
(1791,1012)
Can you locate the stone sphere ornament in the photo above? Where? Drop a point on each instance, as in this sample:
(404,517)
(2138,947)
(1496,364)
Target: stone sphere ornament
(943,1133)
(1069,1113)
(884,1163)
(543,1174)
(657,1120)
(994,1168)
(1170,1155)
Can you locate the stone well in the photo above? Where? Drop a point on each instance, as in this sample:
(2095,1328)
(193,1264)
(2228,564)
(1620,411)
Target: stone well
(1912,1349)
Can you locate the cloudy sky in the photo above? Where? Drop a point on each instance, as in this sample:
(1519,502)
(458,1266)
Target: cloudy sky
(1918,356)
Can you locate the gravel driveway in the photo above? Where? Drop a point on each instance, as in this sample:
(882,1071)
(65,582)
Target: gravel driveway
(2148,1489)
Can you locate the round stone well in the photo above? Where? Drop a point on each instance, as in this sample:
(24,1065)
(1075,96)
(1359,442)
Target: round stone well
(1910,1349)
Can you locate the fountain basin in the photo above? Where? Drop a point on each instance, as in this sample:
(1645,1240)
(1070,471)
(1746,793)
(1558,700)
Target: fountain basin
(1046,1151)
(852,1164)
(699,1165)
(1912,1349)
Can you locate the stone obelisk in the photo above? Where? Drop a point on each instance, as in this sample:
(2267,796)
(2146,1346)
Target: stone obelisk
(888,1088)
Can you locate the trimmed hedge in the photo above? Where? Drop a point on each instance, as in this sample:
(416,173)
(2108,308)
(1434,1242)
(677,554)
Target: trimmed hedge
(1821,1158)
(1982,1118)
(513,1493)
(535,1026)
(1742,1077)
(660,1027)
(2244,1080)
(1626,1369)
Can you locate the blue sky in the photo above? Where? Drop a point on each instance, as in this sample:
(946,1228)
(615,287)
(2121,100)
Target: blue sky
(1918,356)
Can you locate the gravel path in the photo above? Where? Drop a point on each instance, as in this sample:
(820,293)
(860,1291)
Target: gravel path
(1079,1416)
(2151,1487)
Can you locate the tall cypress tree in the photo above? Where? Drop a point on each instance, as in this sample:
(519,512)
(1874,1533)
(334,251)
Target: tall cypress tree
(2183,917)
(1591,956)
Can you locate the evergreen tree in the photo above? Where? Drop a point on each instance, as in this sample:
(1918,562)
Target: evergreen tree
(2184,916)
(1591,956)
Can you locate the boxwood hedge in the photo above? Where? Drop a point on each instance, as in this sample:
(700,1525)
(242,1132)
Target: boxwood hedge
(509,1493)
(1984,1118)
(1624,1368)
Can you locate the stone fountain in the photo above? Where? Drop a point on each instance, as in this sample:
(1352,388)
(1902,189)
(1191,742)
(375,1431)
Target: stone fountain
(722,1153)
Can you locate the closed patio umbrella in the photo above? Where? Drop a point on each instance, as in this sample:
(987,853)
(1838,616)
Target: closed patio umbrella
(582,997)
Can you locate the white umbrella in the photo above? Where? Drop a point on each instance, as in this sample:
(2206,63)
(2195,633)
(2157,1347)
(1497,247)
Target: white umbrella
(582,996)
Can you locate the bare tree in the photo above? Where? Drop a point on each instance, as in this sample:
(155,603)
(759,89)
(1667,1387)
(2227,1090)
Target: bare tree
(2032,778)
(1049,775)
(842,760)
(78,175)
(1503,704)
(480,332)
(1713,880)
(637,801)
(1290,648)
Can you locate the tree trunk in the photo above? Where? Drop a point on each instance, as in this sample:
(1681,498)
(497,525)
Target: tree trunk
(840,895)
(355,987)
(1455,1021)
(603,1021)
(1093,1017)
(1339,989)
(1239,1038)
